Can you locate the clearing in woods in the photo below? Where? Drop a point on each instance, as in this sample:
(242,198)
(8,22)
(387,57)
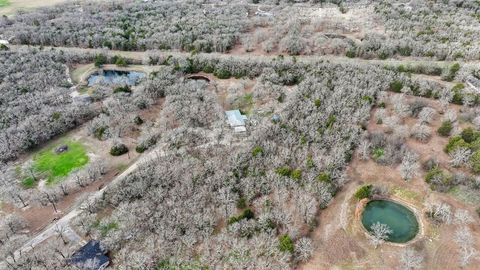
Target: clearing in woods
(10,7)
(4,3)
(55,166)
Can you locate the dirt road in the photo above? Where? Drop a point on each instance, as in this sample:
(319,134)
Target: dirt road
(62,225)
(141,55)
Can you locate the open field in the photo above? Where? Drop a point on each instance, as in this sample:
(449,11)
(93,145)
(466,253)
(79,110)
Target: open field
(4,3)
(10,7)
(55,166)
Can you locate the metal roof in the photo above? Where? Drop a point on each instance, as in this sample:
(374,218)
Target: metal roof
(91,256)
(235,118)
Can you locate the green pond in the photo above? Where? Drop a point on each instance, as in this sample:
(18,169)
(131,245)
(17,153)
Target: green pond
(401,220)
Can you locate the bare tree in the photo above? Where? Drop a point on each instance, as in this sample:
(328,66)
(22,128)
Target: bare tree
(439,212)
(463,217)
(50,197)
(303,249)
(465,241)
(409,167)
(400,105)
(411,259)
(460,156)
(379,233)
(421,132)
(426,115)
(61,230)
(364,150)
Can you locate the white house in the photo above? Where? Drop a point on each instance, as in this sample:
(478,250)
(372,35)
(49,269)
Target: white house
(236,120)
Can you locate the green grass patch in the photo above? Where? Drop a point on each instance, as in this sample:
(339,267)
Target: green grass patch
(286,244)
(84,90)
(29,182)
(4,3)
(106,228)
(406,194)
(245,103)
(56,166)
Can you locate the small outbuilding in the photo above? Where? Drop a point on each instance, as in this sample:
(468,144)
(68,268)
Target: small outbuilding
(92,256)
(236,120)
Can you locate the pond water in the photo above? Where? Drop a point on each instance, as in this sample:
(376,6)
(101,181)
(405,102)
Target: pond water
(401,220)
(115,77)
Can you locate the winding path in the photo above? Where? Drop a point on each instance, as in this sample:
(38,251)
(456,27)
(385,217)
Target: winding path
(62,225)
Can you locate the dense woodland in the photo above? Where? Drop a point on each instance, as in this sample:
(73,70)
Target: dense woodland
(218,201)
(268,189)
(35,101)
(439,29)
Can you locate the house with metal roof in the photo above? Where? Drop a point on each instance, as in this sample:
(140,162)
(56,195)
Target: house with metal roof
(92,256)
(236,120)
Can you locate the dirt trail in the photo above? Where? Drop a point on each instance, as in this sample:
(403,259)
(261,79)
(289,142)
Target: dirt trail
(141,55)
(333,223)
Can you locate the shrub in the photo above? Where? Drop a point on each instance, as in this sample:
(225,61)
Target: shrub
(138,120)
(257,150)
(351,53)
(246,214)
(378,153)
(208,69)
(118,149)
(324,177)
(284,171)
(469,135)
(100,132)
(122,89)
(318,102)
(454,143)
(445,129)
(396,86)
(296,174)
(28,182)
(364,192)
(475,145)
(458,94)
(330,121)
(119,61)
(141,148)
(242,203)
(475,162)
(106,228)
(286,244)
(452,72)
(100,60)
(368,99)
(434,172)
(310,163)
(405,51)
(222,74)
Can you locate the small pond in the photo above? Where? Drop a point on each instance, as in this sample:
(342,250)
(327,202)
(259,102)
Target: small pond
(401,220)
(115,77)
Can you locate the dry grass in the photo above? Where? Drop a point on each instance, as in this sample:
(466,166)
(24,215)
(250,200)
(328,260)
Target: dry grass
(350,249)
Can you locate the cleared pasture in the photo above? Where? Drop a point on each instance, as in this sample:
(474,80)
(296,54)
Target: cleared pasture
(10,7)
